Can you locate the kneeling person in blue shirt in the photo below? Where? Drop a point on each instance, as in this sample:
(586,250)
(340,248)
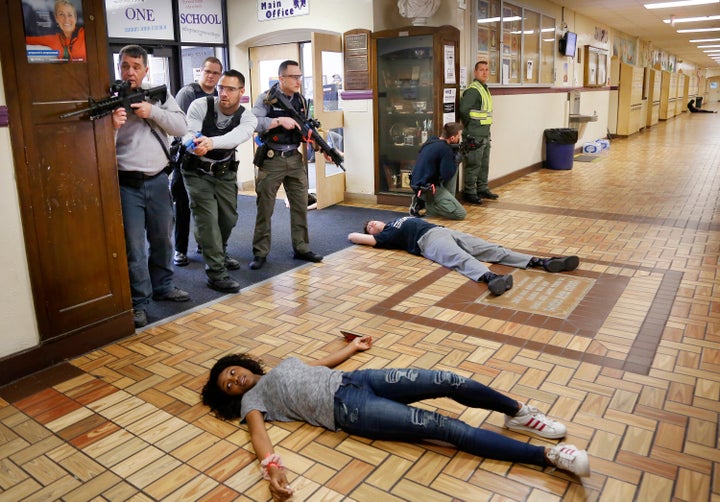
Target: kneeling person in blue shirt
(434,177)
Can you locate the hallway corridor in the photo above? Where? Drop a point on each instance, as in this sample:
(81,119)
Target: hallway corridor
(625,351)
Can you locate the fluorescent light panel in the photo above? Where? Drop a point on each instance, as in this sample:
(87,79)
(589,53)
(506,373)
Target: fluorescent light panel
(699,30)
(679,3)
(690,19)
(703,40)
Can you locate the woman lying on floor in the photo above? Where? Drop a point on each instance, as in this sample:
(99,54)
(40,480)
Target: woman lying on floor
(374,404)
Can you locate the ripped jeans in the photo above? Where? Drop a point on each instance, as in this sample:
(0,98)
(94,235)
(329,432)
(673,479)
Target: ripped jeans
(374,404)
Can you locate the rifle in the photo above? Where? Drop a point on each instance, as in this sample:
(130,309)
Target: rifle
(308,127)
(120,95)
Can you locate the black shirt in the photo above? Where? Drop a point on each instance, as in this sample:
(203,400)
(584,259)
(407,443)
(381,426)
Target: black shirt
(403,233)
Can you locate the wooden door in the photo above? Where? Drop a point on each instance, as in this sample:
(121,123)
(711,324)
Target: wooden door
(67,182)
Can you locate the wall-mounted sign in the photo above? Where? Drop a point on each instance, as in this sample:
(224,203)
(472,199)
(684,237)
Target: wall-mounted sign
(54,34)
(278,9)
(144,19)
(201,21)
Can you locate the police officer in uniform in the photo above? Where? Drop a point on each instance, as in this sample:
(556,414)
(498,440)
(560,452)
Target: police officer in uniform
(210,173)
(212,69)
(476,111)
(281,162)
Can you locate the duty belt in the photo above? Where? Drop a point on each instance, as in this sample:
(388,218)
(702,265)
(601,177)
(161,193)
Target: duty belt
(281,153)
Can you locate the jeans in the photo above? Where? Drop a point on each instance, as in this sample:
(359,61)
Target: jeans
(147,214)
(374,404)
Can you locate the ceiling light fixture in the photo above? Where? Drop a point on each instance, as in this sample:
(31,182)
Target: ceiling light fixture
(698,30)
(708,46)
(674,20)
(703,40)
(679,3)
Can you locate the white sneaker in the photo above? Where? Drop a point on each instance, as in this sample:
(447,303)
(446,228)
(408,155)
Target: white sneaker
(568,458)
(529,419)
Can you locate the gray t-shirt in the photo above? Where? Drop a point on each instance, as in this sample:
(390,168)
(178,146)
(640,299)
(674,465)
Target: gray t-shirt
(294,391)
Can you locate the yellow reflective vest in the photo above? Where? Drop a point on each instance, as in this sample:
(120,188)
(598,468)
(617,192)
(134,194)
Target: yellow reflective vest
(484,114)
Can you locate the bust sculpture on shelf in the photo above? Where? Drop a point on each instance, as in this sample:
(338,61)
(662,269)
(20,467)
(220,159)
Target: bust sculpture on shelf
(418,10)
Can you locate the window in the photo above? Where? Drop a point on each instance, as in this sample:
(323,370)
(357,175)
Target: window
(517,43)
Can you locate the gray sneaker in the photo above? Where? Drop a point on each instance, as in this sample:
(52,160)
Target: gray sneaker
(139,318)
(568,458)
(174,295)
(231,263)
(180,259)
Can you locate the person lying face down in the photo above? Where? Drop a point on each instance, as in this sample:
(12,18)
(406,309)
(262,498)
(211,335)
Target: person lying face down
(455,250)
(375,403)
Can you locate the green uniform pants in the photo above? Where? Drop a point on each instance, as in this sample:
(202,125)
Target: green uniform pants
(476,167)
(292,174)
(443,203)
(213,202)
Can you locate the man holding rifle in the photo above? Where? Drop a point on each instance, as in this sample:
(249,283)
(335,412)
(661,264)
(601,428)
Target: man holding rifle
(280,162)
(141,143)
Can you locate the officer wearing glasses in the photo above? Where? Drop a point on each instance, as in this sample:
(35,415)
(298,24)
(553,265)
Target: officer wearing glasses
(282,164)
(210,173)
(211,71)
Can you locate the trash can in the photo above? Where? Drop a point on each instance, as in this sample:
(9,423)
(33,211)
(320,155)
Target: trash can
(698,102)
(560,147)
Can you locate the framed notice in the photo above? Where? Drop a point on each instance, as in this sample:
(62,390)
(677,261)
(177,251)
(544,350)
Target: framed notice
(356,50)
(150,19)
(201,21)
(449,58)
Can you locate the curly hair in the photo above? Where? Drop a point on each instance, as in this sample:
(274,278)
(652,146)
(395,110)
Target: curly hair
(225,406)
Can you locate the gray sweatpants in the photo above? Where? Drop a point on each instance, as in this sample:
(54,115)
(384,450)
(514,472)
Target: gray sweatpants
(465,253)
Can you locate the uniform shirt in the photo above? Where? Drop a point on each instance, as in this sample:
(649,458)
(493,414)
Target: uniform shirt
(295,391)
(403,233)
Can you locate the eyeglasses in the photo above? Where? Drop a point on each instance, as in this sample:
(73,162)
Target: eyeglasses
(296,77)
(210,72)
(228,88)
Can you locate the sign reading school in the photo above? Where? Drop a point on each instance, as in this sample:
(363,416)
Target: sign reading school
(279,9)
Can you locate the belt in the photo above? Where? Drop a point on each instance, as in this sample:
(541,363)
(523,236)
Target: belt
(281,153)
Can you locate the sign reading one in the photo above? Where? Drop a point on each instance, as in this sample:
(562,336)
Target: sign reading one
(143,19)
(278,9)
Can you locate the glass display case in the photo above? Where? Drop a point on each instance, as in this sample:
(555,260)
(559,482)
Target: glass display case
(416,92)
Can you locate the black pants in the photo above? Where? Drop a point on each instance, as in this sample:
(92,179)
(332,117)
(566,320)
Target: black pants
(182,212)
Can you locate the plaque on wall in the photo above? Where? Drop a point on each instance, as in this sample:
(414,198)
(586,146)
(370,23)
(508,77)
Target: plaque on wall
(356,50)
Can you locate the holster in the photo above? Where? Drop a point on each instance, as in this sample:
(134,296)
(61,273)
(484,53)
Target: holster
(260,155)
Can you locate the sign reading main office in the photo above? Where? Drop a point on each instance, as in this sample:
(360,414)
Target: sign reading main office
(278,9)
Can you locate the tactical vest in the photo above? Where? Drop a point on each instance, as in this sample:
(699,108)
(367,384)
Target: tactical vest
(199,93)
(210,129)
(279,135)
(484,114)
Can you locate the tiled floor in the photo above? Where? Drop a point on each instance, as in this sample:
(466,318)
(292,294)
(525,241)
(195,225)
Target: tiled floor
(628,357)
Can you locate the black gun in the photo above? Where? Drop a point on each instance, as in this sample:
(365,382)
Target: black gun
(469,144)
(308,127)
(120,95)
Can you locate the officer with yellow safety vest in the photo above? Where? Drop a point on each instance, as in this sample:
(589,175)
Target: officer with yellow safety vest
(476,111)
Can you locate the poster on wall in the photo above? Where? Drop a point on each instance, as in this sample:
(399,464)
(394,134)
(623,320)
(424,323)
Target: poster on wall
(201,21)
(449,51)
(449,96)
(268,10)
(54,31)
(149,19)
